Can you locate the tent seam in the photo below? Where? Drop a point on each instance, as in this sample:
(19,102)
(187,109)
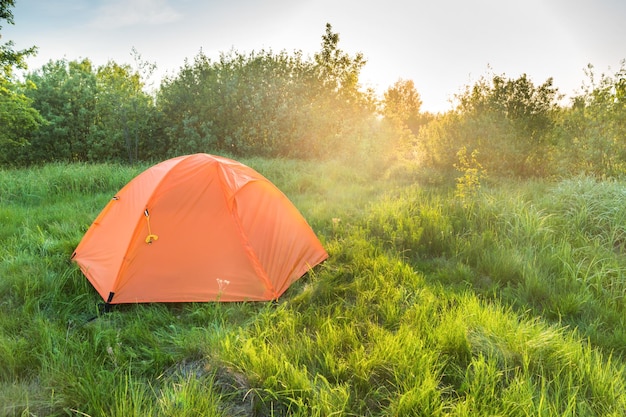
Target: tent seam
(138,226)
(250,252)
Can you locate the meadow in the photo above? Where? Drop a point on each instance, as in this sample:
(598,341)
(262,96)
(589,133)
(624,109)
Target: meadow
(507,300)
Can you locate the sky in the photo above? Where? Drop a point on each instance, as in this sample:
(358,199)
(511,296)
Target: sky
(442,45)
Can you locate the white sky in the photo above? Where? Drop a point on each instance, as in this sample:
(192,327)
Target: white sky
(442,45)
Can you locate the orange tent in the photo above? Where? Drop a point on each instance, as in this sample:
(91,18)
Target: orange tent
(197,228)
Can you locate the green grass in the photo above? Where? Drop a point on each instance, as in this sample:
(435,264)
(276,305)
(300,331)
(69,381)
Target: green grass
(510,302)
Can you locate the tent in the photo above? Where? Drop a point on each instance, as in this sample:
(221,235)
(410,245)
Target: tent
(197,228)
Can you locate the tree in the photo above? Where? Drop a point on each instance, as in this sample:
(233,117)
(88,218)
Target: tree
(528,109)
(9,57)
(338,77)
(403,103)
(266,103)
(336,68)
(254,104)
(66,98)
(17,117)
(18,120)
(98,114)
(125,125)
(592,130)
(511,122)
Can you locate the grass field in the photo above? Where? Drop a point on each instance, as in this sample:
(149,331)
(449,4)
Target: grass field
(507,302)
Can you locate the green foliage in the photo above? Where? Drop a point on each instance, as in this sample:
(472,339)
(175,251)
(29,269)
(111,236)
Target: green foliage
(439,141)
(17,117)
(509,120)
(591,131)
(522,132)
(527,108)
(5,11)
(19,121)
(337,70)
(402,102)
(239,105)
(285,105)
(267,104)
(126,118)
(9,57)
(257,104)
(472,172)
(91,114)
(66,97)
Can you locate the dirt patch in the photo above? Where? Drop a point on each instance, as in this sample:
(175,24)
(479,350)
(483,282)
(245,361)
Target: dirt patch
(238,399)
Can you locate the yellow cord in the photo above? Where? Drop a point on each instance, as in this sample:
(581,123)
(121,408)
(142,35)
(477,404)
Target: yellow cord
(150,238)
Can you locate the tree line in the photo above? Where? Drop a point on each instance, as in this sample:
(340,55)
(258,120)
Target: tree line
(517,128)
(270,104)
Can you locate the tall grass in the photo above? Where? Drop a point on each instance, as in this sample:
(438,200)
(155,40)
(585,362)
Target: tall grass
(510,302)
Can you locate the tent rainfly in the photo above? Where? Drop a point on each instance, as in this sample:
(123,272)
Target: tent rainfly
(197,228)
